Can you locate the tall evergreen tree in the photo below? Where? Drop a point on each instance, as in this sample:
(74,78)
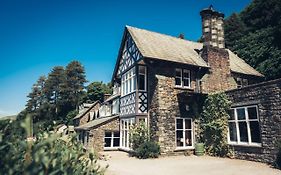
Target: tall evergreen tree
(75,80)
(55,81)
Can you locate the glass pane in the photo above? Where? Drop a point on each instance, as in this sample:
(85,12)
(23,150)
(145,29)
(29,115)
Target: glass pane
(107,134)
(243,132)
(116,134)
(185,74)
(116,141)
(255,131)
(178,81)
(186,82)
(232,131)
(178,73)
(241,114)
(179,124)
(187,124)
(133,83)
(107,142)
(141,82)
(231,114)
(141,69)
(188,138)
(252,112)
(179,136)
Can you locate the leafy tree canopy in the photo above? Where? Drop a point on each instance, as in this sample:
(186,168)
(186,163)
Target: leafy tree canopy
(255,33)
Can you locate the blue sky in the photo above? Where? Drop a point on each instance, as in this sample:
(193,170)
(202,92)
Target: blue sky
(36,35)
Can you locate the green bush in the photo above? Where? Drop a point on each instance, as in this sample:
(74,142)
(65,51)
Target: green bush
(48,154)
(214,125)
(148,149)
(278,157)
(141,144)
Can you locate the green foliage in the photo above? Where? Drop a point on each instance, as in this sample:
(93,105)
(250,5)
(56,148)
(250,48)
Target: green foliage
(70,116)
(141,144)
(214,124)
(49,154)
(52,98)
(147,149)
(255,35)
(96,91)
(278,156)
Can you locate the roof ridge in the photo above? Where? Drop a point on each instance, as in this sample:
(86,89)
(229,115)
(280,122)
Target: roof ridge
(174,37)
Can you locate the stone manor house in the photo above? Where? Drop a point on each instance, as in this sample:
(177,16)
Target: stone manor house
(158,79)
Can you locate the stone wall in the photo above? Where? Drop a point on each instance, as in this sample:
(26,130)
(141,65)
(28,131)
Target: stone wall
(267,96)
(166,102)
(84,119)
(96,134)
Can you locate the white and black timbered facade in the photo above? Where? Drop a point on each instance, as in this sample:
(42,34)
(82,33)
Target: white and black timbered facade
(131,78)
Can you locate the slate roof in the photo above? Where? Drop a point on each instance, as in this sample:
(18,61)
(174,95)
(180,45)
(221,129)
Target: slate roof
(85,110)
(169,48)
(95,123)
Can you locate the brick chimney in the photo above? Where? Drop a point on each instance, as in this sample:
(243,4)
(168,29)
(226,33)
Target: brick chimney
(218,77)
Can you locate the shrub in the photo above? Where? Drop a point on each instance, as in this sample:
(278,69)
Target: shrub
(148,149)
(142,145)
(278,157)
(214,125)
(49,154)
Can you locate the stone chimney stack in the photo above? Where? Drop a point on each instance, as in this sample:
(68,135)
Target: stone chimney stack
(218,77)
(212,27)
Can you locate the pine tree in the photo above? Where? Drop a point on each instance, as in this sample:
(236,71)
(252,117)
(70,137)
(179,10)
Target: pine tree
(55,81)
(75,80)
(96,91)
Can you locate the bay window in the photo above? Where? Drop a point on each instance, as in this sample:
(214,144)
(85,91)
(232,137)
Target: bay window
(142,78)
(184,133)
(182,78)
(244,127)
(128,82)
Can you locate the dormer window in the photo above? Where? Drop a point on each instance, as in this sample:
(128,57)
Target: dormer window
(182,78)
(241,82)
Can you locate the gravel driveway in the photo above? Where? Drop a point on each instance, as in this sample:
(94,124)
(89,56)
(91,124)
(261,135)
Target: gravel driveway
(121,164)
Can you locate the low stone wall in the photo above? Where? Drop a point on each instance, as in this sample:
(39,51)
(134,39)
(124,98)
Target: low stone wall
(96,135)
(267,96)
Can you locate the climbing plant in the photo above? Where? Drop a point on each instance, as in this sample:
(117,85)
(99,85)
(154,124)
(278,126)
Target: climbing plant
(214,125)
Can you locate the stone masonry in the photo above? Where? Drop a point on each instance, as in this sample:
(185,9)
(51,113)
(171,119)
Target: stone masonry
(267,96)
(96,134)
(85,117)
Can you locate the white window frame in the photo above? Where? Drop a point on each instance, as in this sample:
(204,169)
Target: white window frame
(145,78)
(112,137)
(125,125)
(182,71)
(247,120)
(184,129)
(128,82)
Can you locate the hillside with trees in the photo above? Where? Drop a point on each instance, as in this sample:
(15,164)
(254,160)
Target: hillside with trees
(254,34)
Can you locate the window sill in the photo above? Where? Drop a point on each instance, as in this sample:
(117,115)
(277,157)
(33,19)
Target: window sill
(184,148)
(110,148)
(245,145)
(183,88)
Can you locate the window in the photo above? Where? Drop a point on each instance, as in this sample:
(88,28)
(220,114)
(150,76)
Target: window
(111,139)
(125,125)
(182,78)
(142,78)
(184,132)
(128,82)
(241,82)
(243,126)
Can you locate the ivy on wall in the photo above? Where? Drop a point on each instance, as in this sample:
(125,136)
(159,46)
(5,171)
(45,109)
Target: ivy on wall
(214,125)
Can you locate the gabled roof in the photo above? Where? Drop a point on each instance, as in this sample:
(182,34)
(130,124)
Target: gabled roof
(164,47)
(95,122)
(86,110)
